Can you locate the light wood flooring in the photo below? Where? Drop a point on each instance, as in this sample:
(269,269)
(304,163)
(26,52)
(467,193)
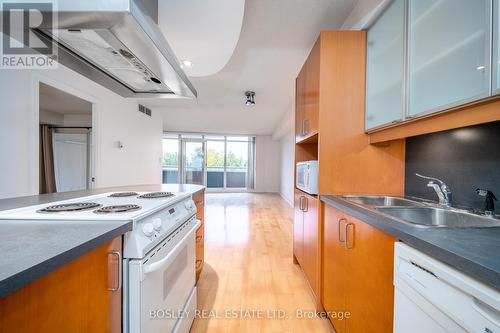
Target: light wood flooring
(249,276)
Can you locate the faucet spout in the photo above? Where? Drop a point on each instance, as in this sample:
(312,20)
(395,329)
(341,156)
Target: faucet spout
(442,190)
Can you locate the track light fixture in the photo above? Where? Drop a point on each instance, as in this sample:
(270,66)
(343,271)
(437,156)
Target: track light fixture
(250,98)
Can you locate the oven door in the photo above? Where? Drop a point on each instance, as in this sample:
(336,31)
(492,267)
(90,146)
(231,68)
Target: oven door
(161,283)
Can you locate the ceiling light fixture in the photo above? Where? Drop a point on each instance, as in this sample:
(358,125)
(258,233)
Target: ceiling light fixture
(186,63)
(250,98)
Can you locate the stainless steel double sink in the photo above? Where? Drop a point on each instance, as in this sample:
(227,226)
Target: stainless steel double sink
(422,214)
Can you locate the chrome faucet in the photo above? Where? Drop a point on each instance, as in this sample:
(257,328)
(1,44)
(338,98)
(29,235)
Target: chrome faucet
(442,190)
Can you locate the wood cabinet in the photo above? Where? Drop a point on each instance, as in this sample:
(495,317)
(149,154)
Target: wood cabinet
(300,84)
(331,97)
(334,265)
(348,163)
(199,200)
(298,228)
(83,296)
(357,273)
(307,97)
(305,238)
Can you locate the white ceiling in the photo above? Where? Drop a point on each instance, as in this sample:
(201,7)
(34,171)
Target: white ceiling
(203,32)
(55,100)
(275,39)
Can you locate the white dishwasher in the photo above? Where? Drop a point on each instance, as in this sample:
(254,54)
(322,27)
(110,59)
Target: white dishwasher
(433,297)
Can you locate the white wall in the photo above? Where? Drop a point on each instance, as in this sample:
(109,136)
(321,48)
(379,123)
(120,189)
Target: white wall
(52,118)
(267,162)
(285,133)
(78,119)
(115,119)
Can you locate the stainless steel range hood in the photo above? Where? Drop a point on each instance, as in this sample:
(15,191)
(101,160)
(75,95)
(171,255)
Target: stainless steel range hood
(118,44)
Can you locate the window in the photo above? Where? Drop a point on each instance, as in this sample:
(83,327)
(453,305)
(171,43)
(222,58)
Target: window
(216,161)
(237,164)
(215,164)
(170,161)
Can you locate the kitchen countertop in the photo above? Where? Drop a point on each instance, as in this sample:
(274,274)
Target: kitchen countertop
(475,252)
(32,249)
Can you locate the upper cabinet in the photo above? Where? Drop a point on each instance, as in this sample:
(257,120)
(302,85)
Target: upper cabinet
(385,67)
(307,97)
(427,56)
(300,84)
(496,49)
(449,53)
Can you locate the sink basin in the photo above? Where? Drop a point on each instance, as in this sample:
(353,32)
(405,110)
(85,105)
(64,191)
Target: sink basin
(381,201)
(438,217)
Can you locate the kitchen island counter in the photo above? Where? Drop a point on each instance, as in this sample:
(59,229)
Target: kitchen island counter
(32,248)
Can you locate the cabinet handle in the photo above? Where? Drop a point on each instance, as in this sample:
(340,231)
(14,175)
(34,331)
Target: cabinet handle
(306,123)
(119,257)
(306,205)
(301,206)
(346,235)
(339,221)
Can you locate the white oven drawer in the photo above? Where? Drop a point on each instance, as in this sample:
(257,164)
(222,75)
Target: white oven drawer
(160,284)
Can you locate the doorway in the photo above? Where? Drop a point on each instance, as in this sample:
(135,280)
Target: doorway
(65,141)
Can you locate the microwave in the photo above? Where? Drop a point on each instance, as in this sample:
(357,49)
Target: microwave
(307,176)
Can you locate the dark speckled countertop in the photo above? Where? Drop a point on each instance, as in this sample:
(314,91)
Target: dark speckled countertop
(475,252)
(30,250)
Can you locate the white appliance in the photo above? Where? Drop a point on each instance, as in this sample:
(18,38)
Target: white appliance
(431,296)
(159,293)
(307,176)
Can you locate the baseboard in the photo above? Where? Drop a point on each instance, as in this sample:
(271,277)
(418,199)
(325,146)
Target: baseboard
(286,200)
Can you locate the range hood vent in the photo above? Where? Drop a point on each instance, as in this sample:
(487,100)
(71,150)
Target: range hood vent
(119,45)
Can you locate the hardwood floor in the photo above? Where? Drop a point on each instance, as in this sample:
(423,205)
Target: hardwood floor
(249,282)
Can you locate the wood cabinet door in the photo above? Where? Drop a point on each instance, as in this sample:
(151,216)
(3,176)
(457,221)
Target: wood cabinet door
(311,247)
(298,228)
(334,272)
(114,282)
(76,297)
(311,98)
(370,291)
(199,200)
(300,86)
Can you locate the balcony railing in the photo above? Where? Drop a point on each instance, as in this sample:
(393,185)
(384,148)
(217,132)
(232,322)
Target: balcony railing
(236,177)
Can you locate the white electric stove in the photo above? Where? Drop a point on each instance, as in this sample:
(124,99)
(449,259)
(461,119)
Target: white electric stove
(159,253)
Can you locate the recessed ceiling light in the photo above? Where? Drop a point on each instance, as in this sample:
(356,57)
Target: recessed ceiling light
(186,63)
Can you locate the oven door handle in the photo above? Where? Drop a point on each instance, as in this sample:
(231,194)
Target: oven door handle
(172,254)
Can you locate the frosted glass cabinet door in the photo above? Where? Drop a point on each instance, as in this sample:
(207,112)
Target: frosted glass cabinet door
(384,67)
(449,53)
(496,48)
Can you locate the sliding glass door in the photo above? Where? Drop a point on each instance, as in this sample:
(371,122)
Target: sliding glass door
(194,161)
(171,153)
(216,157)
(237,162)
(219,162)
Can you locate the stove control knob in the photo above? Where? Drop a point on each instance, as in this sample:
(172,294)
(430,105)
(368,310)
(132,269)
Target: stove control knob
(189,204)
(148,229)
(156,223)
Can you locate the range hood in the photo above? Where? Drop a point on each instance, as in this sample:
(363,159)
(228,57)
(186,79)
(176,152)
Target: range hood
(118,44)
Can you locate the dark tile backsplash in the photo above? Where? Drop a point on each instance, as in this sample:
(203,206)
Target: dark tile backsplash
(465,158)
